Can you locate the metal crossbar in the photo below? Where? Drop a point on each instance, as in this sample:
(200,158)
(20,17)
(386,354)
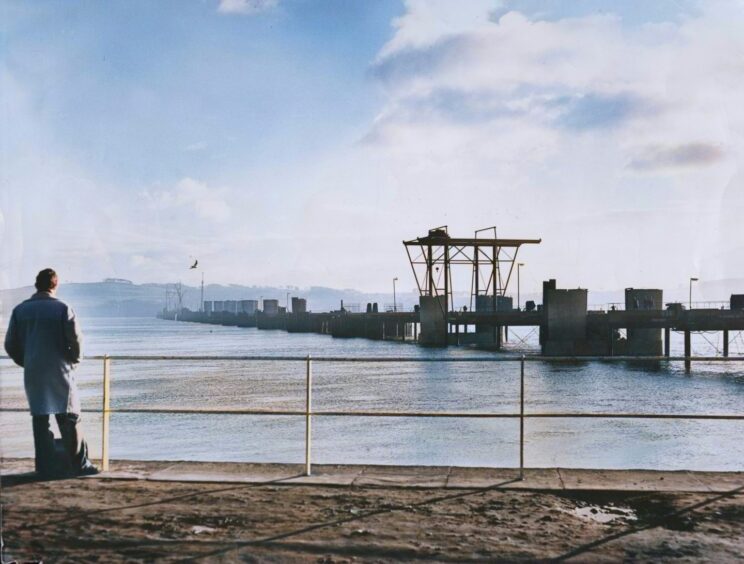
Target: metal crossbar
(399,359)
(308,413)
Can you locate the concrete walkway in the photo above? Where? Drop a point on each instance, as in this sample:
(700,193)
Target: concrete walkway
(445,477)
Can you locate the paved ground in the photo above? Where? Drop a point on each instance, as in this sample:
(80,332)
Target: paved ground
(145,511)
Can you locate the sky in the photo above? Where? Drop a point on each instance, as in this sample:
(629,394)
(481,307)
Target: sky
(290,142)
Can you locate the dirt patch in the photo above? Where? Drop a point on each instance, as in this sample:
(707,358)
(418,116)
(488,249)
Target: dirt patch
(117,521)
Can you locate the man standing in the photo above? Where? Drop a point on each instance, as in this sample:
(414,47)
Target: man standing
(43,337)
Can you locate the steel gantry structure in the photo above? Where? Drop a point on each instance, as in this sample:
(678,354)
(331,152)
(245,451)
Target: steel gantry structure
(492,261)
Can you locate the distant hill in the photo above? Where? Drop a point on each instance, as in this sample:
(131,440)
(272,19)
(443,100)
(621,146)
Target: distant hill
(121,298)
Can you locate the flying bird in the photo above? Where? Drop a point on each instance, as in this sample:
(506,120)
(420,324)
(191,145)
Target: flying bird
(193,266)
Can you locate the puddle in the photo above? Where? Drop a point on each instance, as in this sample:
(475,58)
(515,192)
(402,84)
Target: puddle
(604,513)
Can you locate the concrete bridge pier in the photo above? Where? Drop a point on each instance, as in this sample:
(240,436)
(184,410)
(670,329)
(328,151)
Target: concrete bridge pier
(566,314)
(644,342)
(667,341)
(725,342)
(688,350)
(491,336)
(433,320)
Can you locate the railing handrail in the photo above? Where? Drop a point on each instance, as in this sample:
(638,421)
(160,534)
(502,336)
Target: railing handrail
(373,359)
(422,414)
(309,412)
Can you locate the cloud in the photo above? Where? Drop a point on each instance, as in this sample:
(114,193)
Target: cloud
(246,7)
(689,155)
(584,74)
(426,21)
(537,123)
(596,110)
(545,70)
(193,197)
(531,122)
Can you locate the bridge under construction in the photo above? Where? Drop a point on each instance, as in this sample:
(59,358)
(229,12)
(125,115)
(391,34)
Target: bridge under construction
(566,326)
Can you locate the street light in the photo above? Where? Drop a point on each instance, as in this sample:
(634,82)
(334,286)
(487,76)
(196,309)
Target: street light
(691,281)
(519,264)
(201,307)
(395,304)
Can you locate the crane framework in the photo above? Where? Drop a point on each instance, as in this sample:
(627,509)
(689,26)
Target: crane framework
(491,260)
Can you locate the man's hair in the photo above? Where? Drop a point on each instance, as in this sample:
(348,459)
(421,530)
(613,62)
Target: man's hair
(46,280)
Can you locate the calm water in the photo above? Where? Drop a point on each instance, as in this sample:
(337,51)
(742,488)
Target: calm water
(474,387)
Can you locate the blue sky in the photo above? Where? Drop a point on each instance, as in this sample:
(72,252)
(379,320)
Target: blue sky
(298,142)
(133,89)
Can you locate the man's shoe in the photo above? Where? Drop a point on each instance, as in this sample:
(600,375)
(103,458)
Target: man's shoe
(88,470)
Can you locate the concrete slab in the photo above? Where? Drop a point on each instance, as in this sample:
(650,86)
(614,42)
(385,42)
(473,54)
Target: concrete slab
(375,469)
(407,476)
(632,480)
(467,478)
(133,470)
(16,466)
(720,482)
(329,475)
(539,479)
(403,476)
(226,472)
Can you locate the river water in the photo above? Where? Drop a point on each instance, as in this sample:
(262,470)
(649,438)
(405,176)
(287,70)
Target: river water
(472,387)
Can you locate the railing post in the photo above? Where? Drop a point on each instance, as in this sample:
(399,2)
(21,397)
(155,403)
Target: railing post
(308,416)
(688,351)
(105,415)
(521,419)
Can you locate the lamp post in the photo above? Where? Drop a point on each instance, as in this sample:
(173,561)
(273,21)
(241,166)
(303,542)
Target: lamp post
(691,281)
(395,303)
(201,305)
(519,307)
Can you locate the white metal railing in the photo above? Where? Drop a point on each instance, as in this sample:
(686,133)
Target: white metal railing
(308,412)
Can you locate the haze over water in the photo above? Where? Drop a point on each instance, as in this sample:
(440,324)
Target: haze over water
(472,386)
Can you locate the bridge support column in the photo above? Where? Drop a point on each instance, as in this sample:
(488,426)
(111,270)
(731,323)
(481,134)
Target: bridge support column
(725,342)
(688,350)
(667,339)
(433,321)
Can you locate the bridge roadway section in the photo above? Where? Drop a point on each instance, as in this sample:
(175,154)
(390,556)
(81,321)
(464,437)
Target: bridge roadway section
(685,320)
(405,325)
(597,322)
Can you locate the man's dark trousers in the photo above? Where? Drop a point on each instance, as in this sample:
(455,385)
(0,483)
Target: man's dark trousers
(72,438)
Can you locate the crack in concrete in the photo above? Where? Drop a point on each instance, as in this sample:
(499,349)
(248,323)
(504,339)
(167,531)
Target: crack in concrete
(361,473)
(560,478)
(447,477)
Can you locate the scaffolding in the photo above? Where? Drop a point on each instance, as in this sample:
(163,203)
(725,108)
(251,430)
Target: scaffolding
(491,259)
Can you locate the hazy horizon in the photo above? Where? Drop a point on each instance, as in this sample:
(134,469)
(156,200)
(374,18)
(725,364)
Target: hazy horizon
(703,290)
